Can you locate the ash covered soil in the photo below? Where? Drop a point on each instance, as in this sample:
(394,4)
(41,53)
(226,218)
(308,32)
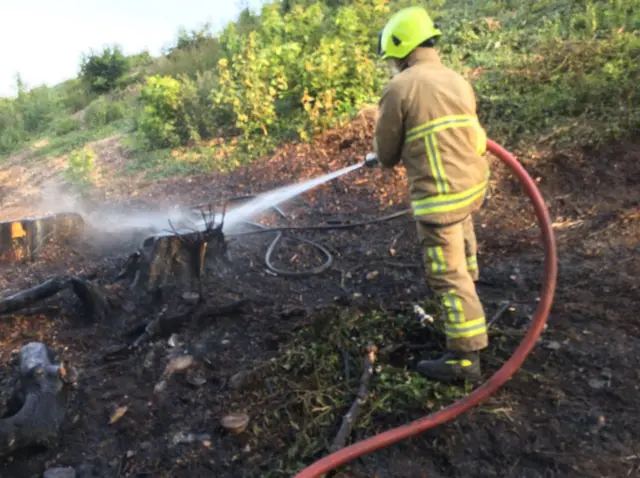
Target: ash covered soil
(571,411)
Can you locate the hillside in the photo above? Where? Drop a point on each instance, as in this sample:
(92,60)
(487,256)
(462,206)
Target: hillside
(284,96)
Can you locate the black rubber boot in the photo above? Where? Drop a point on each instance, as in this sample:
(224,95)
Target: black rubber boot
(452,366)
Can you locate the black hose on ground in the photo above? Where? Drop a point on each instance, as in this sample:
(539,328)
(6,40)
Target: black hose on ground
(280,232)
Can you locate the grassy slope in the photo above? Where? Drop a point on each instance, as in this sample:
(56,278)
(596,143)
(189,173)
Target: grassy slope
(551,72)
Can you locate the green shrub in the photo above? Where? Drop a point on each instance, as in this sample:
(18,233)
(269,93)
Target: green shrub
(101,72)
(81,167)
(65,125)
(159,121)
(74,95)
(202,56)
(178,111)
(102,112)
(12,132)
(200,116)
(38,108)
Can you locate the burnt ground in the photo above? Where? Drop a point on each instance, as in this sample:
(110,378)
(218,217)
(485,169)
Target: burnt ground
(571,411)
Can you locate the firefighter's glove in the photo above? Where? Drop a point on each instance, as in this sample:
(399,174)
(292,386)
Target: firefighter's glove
(371,160)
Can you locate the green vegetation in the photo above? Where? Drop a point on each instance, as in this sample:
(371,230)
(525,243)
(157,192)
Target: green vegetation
(102,73)
(562,72)
(80,170)
(305,392)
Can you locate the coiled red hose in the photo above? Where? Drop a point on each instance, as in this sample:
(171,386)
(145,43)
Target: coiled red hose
(510,367)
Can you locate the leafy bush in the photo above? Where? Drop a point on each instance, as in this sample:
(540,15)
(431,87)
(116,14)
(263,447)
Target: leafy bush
(12,133)
(81,167)
(159,121)
(102,72)
(74,95)
(200,116)
(37,108)
(179,111)
(202,56)
(102,112)
(65,125)
(311,63)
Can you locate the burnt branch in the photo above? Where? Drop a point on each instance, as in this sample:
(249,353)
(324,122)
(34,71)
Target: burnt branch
(164,325)
(96,304)
(361,398)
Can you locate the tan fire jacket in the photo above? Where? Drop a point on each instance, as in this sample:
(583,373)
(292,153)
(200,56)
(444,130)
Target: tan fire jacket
(427,118)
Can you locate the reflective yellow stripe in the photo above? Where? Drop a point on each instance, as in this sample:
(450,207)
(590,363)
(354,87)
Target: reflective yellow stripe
(466,329)
(437,168)
(446,122)
(462,363)
(448,202)
(481,147)
(453,307)
(472,263)
(436,256)
(452,121)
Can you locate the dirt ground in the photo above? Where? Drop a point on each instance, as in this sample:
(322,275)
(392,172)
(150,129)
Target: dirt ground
(571,411)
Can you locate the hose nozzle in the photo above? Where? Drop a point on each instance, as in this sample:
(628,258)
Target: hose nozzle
(371,160)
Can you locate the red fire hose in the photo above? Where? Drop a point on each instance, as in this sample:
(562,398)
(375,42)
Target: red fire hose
(510,367)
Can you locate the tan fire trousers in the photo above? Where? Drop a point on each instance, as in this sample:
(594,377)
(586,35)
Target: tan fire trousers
(451,268)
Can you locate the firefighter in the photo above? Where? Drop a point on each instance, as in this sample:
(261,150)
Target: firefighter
(427,118)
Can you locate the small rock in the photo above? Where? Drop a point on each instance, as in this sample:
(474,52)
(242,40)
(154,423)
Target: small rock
(196,380)
(597,384)
(160,386)
(117,414)
(182,437)
(239,380)
(149,359)
(606,374)
(173,340)
(178,364)
(552,345)
(129,307)
(191,297)
(67,472)
(235,423)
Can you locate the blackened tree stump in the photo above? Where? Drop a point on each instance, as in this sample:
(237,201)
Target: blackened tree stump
(24,239)
(175,261)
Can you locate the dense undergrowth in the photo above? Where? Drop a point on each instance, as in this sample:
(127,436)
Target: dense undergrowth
(556,72)
(301,397)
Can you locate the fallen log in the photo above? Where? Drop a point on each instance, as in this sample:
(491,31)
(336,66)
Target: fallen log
(39,406)
(96,304)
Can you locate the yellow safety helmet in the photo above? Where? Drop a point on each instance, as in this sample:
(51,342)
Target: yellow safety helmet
(406,30)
